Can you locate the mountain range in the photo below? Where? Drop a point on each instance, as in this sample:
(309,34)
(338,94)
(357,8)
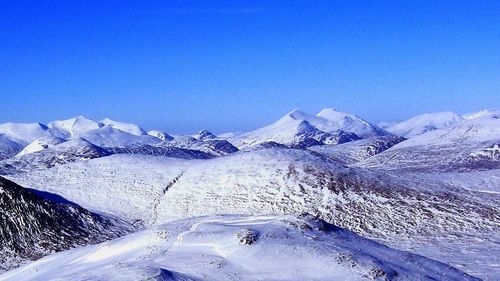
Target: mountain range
(426,185)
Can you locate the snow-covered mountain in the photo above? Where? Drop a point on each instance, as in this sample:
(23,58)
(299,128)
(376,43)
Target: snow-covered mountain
(260,182)
(336,120)
(424,123)
(238,248)
(73,127)
(482,113)
(31,226)
(125,127)
(436,190)
(468,145)
(76,149)
(9,147)
(161,135)
(24,132)
(355,151)
(300,129)
(204,141)
(40,144)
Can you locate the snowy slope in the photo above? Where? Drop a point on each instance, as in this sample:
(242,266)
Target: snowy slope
(66,152)
(31,226)
(208,143)
(73,127)
(470,145)
(423,123)
(283,180)
(126,127)
(161,135)
(336,120)
(24,132)
(9,147)
(482,113)
(126,186)
(299,129)
(158,189)
(238,248)
(108,136)
(153,190)
(40,144)
(355,151)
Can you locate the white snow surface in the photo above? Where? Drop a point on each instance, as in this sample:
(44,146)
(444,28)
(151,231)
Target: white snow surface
(41,144)
(126,127)
(9,147)
(295,122)
(73,126)
(332,120)
(108,136)
(423,123)
(160,134)
(24,132)
(237,248)
(482,113)
(122,185)
(475,130)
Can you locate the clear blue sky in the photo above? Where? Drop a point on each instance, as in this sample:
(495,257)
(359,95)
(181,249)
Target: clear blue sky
(236,65)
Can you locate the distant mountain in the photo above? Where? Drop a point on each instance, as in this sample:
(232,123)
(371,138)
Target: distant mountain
(47,156)
(482,113)
(468,145)
(24,132)
(336,120)
(126,127)
(109,136)
(424,123)
(299,129)
(73,127)
(161,135)
(204,135)
(9,147)
(239,248)
(41,144)
(205,142)
(31,226)
(355,151)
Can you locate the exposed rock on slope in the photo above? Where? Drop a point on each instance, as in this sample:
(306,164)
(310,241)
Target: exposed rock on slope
(50,156)
(239,248)
(467,146)
(31,227)
(355,151)
(9,147)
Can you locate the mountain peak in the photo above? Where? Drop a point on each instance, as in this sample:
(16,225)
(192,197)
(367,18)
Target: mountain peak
(482,113)
(425,122)
(326,111)
(126,127)
(205,135)
(74,126)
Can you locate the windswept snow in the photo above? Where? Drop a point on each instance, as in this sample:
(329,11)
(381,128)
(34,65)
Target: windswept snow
(435,193)
(482,113)
(161,135)
(300,129)
(424,123)
(31,226)
(24,132)
(467,146)
(126,127)
(40,144)
(73,126)
(238,248)
(9,147)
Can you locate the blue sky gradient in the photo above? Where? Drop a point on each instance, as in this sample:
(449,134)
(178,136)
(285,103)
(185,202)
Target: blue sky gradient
(182,66)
